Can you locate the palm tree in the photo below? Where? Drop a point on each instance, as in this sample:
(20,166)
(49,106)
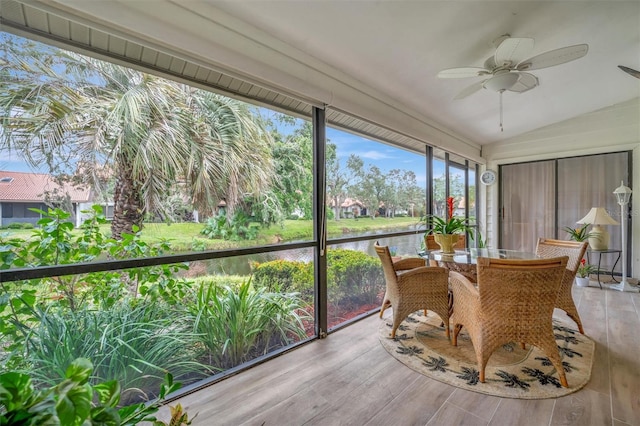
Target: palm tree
(65,109)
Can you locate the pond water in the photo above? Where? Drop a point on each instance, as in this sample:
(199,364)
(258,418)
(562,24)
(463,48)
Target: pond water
(407,245)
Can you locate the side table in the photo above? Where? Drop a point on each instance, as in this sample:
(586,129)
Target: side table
(600,269)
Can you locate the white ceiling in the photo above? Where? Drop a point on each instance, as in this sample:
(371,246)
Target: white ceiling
(398,47)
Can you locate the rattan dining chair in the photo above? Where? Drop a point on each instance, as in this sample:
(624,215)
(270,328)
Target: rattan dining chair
(575,250)
(513,302)
(412,286)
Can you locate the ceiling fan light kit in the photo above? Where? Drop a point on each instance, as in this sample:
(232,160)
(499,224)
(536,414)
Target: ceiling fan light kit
(505,70)
(501,82)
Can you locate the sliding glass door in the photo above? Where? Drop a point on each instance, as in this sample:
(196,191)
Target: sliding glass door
(540,199)
(527,204)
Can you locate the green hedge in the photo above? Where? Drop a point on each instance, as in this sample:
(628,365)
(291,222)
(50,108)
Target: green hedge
(285,276)
(354,277)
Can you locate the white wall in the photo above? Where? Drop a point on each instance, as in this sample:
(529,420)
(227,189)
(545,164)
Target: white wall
(612,129)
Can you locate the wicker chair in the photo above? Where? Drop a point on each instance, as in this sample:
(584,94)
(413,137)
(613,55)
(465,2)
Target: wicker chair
(419,287)
(513,302)
(575,250)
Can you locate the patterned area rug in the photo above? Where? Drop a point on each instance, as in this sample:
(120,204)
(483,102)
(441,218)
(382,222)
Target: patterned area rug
(512,372)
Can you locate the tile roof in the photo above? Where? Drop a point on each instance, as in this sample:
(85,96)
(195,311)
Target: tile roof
(30,187)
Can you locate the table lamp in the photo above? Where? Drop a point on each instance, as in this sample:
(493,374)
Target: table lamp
(598,237)
(623,194)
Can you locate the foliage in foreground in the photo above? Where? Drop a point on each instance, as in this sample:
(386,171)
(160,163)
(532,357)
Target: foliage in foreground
(132,343)
(237,326)
(134,324)
(74,401)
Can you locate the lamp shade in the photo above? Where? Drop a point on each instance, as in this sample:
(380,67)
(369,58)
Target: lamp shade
(623,194)
(598,216)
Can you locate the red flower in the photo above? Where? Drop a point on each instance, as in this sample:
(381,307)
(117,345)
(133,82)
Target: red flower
(450,207)
(583,261)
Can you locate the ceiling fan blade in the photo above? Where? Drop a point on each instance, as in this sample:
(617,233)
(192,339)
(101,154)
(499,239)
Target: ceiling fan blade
(470,90)
(512,51)
(464,72)
(554,57)
(630,71)
(525,82)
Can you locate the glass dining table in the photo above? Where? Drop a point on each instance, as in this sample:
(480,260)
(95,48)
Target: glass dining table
(464,261)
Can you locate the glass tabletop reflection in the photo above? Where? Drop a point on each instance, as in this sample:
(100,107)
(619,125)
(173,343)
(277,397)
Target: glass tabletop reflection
(471,255)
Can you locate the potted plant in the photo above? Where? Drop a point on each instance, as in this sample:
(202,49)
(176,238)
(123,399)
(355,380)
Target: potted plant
(446,230)
(578,234)
(582,274)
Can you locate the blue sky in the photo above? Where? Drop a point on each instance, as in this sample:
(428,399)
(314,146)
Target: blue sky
(384,156)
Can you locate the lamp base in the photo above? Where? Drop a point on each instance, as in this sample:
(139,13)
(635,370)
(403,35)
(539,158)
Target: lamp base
(598,238)
(625,286)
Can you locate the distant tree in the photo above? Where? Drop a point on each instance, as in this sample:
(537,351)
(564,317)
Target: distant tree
(338,179)
(402,191)
(369,185)
(293,161)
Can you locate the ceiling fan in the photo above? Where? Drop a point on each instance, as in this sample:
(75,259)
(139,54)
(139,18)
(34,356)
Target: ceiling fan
(507,68)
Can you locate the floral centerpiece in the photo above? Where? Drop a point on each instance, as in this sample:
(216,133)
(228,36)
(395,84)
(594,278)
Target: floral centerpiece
(578,234)
(446,231)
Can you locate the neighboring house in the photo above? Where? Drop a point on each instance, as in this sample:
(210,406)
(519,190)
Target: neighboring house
(351,208)
(20,191)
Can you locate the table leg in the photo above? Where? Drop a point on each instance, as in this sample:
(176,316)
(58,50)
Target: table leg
(614,267)
(598,271)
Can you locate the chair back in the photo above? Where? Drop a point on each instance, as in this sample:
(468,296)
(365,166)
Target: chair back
(384,254)
(518,291)
(430,242)
(553,248)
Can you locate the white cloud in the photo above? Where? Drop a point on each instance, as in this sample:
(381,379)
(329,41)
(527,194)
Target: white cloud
(375,155)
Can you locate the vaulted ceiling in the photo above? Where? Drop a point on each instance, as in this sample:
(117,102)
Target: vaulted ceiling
(398,47)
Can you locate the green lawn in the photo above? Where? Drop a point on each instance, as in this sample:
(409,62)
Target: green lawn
(187,237)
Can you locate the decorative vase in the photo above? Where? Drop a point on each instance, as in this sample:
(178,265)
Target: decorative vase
(446,242)
(582,282)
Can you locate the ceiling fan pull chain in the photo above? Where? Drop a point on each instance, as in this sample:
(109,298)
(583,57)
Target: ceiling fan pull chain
(501,128)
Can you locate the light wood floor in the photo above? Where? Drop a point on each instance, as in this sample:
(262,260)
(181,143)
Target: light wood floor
(349,379)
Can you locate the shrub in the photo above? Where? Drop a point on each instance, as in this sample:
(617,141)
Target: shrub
(231,281)
(283,276)
(235,228)
(198,244)
(16,225)
(354,278)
